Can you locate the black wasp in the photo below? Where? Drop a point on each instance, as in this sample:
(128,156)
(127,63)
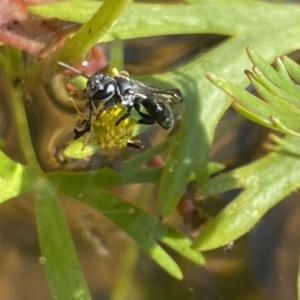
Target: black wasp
(106,91)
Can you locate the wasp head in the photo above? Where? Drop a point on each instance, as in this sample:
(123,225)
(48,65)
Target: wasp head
(101,88)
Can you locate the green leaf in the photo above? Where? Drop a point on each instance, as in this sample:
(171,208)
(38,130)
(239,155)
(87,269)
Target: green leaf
(279,80)
(15,179)
(59,254)
(58,251)
(281,69)
(271,93)
(292,68)
(282,145)
(262,189)
(278,107)
(245,103)
(60,259)
(214,167)
(279,110)
(236,19)
(143,228)
(205,105)
(159,21)
(75,149)
(106,177)
(184,161)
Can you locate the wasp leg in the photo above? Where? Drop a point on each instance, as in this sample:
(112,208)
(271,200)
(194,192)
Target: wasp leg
(145,119)
(128,113)
(81,128)
(136,144)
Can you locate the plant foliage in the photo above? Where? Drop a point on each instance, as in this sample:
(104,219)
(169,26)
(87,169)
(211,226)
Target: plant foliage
(245,23)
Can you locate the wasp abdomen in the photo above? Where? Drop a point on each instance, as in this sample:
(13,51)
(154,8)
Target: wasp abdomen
(160,112)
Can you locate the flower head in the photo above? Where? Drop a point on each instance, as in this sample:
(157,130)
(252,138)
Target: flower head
(106,132)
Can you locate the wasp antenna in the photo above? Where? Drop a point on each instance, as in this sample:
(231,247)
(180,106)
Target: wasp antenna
(72,69)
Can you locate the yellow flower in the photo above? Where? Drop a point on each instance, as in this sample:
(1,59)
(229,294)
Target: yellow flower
(107,133)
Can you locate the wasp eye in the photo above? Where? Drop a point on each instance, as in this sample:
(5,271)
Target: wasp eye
(100,88)
(105,93)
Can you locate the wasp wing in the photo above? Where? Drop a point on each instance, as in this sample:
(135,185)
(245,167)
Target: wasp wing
(168,96)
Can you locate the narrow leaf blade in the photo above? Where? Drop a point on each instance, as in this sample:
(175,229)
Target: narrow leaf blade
(59,254)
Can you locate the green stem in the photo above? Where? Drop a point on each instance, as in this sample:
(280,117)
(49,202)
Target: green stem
(10,60)
(116,55)
(102,21)
(76,48)
(23,128)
